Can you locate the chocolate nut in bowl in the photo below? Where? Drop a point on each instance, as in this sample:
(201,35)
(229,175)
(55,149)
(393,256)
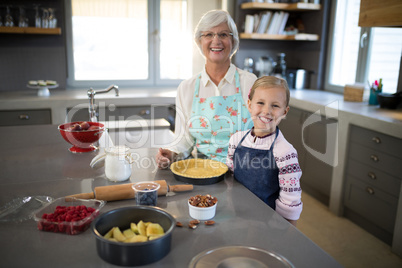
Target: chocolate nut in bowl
(133,254)
(202,207)
(199,171)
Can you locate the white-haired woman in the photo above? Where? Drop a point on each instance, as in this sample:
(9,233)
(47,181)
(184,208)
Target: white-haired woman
(211,105)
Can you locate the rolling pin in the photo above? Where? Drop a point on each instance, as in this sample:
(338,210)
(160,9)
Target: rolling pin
(125,191)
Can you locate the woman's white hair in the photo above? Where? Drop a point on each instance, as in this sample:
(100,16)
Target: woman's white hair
(212,19)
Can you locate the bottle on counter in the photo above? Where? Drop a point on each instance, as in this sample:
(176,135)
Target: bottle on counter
(280,66)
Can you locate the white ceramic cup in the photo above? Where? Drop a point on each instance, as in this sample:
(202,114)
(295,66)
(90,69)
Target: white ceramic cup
(202,213)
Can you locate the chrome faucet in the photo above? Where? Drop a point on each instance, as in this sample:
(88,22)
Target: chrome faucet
(91,95)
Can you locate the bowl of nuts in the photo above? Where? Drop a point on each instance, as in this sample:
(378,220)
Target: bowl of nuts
(202,207)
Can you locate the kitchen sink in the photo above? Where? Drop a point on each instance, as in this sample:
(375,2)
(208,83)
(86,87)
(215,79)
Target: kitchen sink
(139,133)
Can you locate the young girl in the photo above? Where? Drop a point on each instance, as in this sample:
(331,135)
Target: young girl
(261,158)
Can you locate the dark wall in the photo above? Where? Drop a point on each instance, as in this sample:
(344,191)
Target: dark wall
(25,57)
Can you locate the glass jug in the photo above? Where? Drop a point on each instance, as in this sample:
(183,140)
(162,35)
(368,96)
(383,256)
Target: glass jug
(118,163)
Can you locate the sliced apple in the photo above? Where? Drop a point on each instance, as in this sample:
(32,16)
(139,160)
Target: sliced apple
(152,237)
(128,233)
(134,228)
(141,228)
(154,229)
(109,234)
(118,235)
(136,238)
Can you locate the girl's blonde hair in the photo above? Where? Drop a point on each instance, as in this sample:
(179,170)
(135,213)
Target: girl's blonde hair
(270,81)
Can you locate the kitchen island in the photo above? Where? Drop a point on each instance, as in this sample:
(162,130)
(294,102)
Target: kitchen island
(35,161)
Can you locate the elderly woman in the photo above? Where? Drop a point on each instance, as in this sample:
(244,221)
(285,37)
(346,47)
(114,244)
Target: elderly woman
(211,105)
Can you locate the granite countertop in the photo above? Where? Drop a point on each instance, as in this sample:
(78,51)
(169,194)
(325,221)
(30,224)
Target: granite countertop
(49,169)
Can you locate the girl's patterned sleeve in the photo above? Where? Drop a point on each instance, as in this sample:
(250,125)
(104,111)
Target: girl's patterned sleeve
(289,204)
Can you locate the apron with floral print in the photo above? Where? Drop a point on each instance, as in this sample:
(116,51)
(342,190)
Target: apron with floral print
(214,119)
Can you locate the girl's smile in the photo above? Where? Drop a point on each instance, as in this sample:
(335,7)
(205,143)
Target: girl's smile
(267,109)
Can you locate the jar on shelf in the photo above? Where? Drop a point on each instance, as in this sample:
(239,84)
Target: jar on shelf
(280,66)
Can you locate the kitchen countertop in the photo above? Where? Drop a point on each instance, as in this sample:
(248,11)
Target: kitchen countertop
(60,100)
(387,121)
(37,162)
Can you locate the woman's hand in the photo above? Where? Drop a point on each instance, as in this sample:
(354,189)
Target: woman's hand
(164,158)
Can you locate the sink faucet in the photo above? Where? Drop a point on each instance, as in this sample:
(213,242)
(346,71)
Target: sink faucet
(91,95)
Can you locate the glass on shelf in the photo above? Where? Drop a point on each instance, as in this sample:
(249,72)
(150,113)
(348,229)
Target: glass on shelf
(23,20)
(8,20)
(45,18)
(52,19)
(38,20)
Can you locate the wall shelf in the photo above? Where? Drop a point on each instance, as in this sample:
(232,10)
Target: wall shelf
(30,30)
(281,6)
(296,37)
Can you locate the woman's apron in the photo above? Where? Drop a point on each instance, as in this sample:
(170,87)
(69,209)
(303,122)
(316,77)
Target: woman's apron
(214,120)
(257,170)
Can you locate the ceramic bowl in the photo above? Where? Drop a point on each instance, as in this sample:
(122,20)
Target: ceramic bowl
(82,140)
(389,101)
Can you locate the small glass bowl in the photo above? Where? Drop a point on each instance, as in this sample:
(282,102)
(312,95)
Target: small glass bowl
(68,227)
(146,193)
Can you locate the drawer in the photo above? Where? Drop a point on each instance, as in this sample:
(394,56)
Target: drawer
(25,117)
(371,203)
(374,177)
(376,140)
(379,160)
(121,113)
(145,112)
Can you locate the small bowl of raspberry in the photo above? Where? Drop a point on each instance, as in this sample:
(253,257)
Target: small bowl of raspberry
(68,215)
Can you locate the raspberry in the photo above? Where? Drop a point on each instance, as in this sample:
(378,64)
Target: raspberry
(56,221)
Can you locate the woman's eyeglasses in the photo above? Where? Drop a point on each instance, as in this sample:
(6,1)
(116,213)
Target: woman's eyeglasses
(221,36)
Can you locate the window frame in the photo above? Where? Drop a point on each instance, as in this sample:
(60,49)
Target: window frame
(362,60)
(153,81)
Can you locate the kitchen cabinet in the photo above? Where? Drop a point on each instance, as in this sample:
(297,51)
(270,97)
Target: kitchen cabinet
(310,134)
(372,181)
(115,113)
(374,13)
(295,7)
(25,117)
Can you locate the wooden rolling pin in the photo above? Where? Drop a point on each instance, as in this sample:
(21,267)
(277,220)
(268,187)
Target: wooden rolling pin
(125,191)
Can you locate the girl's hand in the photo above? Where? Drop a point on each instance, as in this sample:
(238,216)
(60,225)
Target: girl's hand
(164,158)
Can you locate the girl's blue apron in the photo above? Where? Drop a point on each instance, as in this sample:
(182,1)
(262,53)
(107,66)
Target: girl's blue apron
(214,120)
(257,170)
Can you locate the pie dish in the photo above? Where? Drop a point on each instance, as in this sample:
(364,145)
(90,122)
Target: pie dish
(199,171)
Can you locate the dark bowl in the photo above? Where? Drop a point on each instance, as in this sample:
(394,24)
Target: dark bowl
(133,254)
(389,101)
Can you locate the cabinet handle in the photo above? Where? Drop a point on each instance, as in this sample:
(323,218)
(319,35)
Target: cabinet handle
(145,112)
(374,158)
(376,140)
(23,117)
(370,190)
(372,175)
